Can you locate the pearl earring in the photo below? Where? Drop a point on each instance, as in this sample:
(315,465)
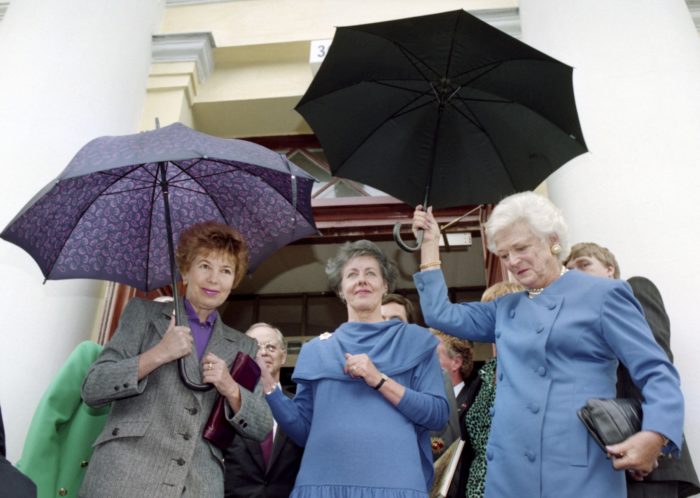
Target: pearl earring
(556,249)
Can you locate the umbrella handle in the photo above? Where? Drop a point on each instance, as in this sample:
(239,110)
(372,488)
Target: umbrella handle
(399,241)
(189,383)
(186,380)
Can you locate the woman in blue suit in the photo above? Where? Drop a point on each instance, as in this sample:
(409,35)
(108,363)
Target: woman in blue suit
(559,343)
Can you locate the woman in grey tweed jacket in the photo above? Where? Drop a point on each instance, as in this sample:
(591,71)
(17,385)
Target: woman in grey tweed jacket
(152,444)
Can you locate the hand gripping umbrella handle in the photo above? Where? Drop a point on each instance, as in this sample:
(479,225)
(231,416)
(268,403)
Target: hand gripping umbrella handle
(181,361)
(399,241)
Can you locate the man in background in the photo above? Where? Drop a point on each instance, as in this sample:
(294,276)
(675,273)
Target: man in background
(267,469)
(457,359)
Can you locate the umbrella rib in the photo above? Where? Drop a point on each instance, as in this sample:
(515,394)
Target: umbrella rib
(471,117)
(415,60)
(411,57)
(452,45)
(398,87)
(241,167)
(487,68)
(481,127)
(154,196)
(399,112)
(82,213)
(185,171)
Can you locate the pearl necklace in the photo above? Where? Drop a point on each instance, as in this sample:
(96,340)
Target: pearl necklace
(533,293)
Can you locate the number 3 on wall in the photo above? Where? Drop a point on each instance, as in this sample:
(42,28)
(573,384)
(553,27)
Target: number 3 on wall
(319,49)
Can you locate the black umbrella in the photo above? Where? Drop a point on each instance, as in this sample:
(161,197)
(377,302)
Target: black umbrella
(443,110)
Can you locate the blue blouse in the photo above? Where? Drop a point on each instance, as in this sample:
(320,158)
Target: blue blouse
(357,443)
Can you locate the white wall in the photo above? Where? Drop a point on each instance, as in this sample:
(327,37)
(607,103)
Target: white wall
(71,71)
(637,68)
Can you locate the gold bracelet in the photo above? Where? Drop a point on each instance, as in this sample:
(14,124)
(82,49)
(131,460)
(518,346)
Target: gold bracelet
(425,266)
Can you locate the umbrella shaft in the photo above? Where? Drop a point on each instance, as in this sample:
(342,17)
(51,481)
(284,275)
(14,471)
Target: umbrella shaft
(169,233)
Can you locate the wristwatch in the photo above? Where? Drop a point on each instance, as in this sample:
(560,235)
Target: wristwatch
(381,382)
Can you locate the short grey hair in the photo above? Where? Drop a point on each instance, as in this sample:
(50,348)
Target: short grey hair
(278,333)
(350,250)
(543,217)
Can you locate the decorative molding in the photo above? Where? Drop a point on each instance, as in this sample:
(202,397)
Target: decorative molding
(4,4)
(186,47)
(694,8)
(507,20)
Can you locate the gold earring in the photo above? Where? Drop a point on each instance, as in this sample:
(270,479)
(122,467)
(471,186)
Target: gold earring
(556,249)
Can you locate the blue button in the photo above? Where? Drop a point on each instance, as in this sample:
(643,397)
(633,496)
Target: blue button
(512,313)
(542,371)
(500,376)
(530,455)
(498,334)
(540,329)
(489,454)
(420,285)
(551,306)
(492,411)
(533,407)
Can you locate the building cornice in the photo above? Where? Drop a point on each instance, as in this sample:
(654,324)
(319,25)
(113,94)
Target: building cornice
(186,47)
(507,20)
(694,8)
(3,8)
(176,3)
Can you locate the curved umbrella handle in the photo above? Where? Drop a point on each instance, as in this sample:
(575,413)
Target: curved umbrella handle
(186,380)
(399,241)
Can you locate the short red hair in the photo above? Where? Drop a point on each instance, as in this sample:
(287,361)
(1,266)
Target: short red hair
(212,237)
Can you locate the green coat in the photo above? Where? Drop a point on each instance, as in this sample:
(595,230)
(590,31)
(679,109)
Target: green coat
(59,442)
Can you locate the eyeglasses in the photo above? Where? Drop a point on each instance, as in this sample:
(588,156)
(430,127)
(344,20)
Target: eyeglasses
(269,347)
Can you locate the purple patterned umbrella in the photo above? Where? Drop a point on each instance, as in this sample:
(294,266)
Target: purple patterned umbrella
(117,209)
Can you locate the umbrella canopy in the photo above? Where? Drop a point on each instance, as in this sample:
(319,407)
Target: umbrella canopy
(104,216)
(116,211)
(442,110)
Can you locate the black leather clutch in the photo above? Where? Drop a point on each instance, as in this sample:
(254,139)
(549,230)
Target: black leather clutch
(611,421)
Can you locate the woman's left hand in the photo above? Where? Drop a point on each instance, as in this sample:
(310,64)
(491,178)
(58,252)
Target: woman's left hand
(359,366)
(637,454)
(215,371)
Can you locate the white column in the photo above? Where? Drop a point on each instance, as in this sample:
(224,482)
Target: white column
(71,71)
(637,70)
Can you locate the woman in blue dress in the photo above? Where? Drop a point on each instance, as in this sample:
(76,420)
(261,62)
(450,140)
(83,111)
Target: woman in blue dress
(559,343)
(368,394)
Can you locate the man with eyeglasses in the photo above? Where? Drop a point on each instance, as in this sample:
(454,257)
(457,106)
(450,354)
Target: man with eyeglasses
(267,469)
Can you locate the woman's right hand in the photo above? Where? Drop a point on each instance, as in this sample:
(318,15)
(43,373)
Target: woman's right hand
(176,342)
(424,220)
